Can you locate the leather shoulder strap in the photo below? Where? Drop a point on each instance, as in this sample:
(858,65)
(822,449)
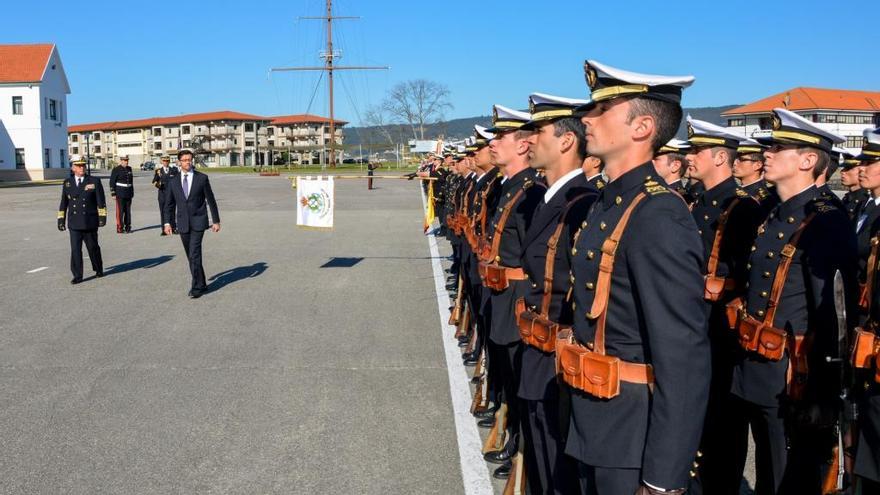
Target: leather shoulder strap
(483,209)
(782,270)
(606,266)
(502,222)
(712,267)
(872,270)
(550,260)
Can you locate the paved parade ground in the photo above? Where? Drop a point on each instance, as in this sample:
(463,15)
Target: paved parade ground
(315,364)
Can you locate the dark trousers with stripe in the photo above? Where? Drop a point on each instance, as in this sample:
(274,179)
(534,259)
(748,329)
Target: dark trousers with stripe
(549,470)
(123,214)
(90,238)
(597,480)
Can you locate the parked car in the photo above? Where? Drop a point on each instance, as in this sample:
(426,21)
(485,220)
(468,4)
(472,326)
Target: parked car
(148,166)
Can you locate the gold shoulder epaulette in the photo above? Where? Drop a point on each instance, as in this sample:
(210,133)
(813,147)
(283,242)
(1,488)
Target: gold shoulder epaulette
(528,183)
(654,188)
(823,207)
(600,184)
(763,193)
(742,194)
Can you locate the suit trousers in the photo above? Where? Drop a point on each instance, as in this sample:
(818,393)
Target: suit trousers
(192,244)
(597,480)
(549,470)
(123,214)
(90,238)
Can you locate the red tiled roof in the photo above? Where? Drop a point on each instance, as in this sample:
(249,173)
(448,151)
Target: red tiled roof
(23,63)
(199,117)
(178,119)
(814,99)
(304,118)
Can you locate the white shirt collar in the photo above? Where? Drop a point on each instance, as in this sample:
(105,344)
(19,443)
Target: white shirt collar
(551,191)
(754,182)
(594,176)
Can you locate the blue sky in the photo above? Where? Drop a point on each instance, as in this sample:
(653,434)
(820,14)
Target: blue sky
(130,60)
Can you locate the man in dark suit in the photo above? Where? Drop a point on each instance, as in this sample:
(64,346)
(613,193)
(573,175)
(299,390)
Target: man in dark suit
(191,195)
(83,210)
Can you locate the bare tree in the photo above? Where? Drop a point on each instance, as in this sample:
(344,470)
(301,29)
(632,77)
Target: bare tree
(417,103)
(377,118)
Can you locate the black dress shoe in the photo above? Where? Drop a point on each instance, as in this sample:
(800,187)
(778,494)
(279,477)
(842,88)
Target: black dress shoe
(470,362)
(99,274)
(486,423)
(195,293)
(503,471)
(486,413)
(75,281)
(162,233)
(471,355)
(497,456)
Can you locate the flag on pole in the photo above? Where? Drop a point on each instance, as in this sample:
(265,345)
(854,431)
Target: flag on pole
(429,211)
(314,208)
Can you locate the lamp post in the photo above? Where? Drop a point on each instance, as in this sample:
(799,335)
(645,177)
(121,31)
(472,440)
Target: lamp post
(88,155)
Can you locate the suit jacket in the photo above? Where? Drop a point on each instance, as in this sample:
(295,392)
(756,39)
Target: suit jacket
(83,205)
(192,211)
(655,314)
(538,380)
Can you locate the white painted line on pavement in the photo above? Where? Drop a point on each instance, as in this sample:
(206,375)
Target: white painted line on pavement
(474,471)
(35,270)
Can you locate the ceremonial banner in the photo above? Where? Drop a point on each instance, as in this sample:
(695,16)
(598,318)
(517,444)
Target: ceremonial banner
(429,211)
(314,209)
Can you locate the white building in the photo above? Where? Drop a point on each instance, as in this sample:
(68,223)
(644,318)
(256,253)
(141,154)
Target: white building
(219,139)
(844,112)
(33,113)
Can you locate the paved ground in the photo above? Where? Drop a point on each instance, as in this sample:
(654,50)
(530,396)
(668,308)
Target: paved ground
(314,365)
(289,377)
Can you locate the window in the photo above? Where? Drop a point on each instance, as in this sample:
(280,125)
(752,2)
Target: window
(96,136)
(74,138)
(270,131)
(53,110)
(19,157)
(47,158)
(157,146)
(765,123)
(185,129)
(736,122)
(129,145)
(845,119)
(130,131)
(249,127)
(854,141)
(74,150)
(17,106)
(157,131)
(248,143)
(97,149)
(62,158)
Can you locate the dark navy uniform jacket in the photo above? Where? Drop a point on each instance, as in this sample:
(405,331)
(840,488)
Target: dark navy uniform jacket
(656,314)
(538,380)
(742,226)
(865,232)
(853,201)
(84,204)
(504,329)
(122,175)
(764,194)
(807,302)
(490,183)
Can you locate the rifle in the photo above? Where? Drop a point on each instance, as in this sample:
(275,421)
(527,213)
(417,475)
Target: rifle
(455,315)
(481,393)
(495,440)
(516,483)
(835,480)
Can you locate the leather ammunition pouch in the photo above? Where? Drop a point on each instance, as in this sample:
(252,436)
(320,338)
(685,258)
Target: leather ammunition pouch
(497,277)
(596,374)
(798,369)
(865,348)
(766,341)
(484,251)
(715,287)
(536,330)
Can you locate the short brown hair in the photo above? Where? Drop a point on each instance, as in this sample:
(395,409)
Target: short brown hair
(667,117)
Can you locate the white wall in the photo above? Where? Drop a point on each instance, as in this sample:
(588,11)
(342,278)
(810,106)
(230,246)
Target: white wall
(24,130)
(54,132)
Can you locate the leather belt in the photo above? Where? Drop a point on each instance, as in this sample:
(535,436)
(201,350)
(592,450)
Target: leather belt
(515,273)
(122,185)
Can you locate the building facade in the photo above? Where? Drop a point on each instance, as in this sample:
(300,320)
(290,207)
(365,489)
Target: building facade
(219,139)
(843,112)
(33,113)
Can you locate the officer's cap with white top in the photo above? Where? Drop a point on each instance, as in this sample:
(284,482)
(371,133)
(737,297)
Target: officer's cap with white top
(483,136)
(547,108)
(871,147)
(792,129)
(607,83)
(77,160)
(747,146)
(673,146)
(507,119)
(702,133)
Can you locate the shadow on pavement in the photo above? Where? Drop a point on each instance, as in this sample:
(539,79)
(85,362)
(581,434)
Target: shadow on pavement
(341,262)
(137,264)
(223,279)
(148,227)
